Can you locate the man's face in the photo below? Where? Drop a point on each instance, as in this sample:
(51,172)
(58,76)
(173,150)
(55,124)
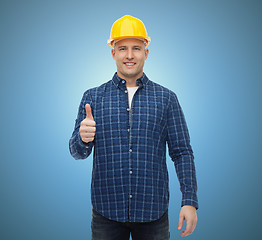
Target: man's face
(130,55)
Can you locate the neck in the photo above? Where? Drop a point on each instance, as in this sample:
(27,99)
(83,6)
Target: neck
(130,83)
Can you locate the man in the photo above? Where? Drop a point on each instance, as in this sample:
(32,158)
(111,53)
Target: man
(128,121)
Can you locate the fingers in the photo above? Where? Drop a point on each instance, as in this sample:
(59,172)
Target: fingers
(88,122)
(88,130)
(190,226)
(87,134)
(180,222)
(87,140)
(89,112)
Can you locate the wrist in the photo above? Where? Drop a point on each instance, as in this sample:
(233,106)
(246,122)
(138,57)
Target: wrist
(189,206)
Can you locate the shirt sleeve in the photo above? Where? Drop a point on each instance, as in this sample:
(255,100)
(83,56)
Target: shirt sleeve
(78,148)
(180,151)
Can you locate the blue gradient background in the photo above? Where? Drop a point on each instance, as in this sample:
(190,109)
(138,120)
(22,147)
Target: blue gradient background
(208,52)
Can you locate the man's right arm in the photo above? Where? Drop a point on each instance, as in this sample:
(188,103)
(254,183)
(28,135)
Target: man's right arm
(78,148)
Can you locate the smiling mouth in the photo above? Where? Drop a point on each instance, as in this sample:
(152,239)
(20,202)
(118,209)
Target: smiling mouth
(129,64)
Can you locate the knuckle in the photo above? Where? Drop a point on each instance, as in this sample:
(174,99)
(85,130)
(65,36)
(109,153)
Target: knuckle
(83,123)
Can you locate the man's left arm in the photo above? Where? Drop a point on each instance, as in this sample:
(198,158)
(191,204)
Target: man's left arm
(181,153)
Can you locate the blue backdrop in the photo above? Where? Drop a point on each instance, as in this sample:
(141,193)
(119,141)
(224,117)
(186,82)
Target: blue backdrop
(208,52)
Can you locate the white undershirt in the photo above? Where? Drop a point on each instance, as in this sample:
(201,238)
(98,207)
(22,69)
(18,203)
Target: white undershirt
(131,92)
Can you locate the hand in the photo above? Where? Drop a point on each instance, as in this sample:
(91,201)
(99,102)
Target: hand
(87,127)
(189,214)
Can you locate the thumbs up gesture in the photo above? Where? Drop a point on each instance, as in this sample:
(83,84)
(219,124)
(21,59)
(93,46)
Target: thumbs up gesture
(87,127)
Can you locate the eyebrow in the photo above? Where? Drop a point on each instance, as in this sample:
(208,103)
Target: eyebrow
(126,46)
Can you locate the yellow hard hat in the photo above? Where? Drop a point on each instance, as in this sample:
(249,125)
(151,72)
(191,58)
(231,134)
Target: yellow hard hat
(128,27)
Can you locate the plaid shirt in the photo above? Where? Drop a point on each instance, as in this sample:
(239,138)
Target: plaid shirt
(130,177)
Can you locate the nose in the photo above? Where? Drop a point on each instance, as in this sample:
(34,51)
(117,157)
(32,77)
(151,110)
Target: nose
(129,55)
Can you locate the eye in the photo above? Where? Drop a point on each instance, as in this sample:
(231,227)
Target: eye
(136,48)
(121,48)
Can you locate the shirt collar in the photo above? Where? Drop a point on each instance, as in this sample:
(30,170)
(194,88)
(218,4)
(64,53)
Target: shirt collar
(119,82)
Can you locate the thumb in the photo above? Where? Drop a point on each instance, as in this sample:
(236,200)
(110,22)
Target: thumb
(180,222)
(88,112)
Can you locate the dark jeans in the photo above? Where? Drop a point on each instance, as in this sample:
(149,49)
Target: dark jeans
(105,229)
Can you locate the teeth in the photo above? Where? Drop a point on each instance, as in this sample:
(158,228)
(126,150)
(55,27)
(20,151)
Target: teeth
(129,64)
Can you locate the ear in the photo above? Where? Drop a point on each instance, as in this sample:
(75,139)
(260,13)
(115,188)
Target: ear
(146,53)
(113,53)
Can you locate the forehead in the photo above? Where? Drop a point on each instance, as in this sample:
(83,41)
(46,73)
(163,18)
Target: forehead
(129,42)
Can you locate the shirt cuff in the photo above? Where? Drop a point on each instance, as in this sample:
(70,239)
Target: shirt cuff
(189,198)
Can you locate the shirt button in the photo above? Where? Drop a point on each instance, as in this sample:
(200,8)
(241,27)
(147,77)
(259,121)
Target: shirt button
(128,109)
(130,195)
(123,81)
(130,150)
(128,129)
(130,172)
(126,91)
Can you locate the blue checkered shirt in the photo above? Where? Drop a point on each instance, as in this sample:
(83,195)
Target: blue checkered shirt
(130,177)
